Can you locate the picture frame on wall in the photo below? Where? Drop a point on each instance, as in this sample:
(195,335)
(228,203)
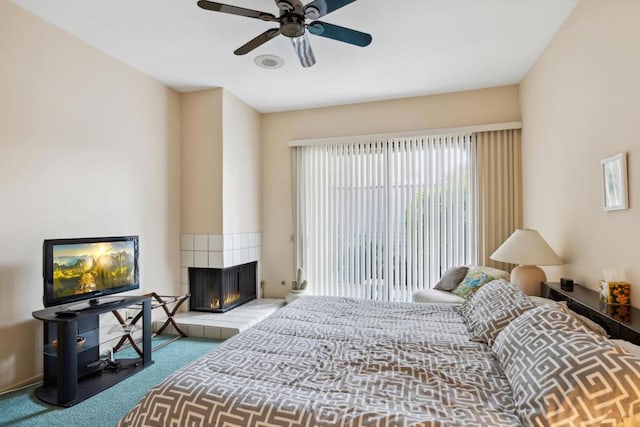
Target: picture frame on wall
(614,182)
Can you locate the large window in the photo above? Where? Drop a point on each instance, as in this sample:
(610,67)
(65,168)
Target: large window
(380,219)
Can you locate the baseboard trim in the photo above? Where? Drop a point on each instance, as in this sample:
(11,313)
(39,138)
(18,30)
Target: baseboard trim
(21,385)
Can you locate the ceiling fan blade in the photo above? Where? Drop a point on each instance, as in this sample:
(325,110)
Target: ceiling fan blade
(336,32)
(303,49)
(318,8)
(257,41)
(235,10)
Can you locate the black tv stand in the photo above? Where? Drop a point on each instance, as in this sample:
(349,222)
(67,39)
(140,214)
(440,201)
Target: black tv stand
(94,303)
(74,372)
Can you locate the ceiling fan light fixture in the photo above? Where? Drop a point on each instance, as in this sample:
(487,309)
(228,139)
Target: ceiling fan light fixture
(292,25)
(270,62)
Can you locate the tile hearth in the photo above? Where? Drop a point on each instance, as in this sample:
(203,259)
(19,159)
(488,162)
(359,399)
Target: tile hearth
(223,325)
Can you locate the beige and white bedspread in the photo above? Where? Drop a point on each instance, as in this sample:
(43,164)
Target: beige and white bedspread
(325,361)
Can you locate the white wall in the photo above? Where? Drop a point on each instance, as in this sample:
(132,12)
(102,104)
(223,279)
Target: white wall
(438,111)
(89,147)
(201,171)
(241,166)
(581,104)
(220,164)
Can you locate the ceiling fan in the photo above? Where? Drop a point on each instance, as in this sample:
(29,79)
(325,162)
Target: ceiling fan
(292,20)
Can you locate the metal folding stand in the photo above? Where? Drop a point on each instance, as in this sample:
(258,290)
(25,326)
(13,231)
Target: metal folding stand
(157,301)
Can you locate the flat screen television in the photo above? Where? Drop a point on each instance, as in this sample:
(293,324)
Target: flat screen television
(89,269)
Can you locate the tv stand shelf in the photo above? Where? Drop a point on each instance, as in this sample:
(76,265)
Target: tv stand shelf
(74,372)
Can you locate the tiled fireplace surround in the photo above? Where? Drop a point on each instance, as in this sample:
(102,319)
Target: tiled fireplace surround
(218,251)
(221,251)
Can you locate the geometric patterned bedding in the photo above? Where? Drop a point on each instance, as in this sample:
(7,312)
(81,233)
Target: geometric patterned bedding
(329,361)
(563,374)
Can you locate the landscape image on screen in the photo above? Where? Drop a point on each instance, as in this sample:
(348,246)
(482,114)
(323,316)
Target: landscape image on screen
(90,267)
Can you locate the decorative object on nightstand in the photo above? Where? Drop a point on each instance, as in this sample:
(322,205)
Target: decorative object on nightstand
(620,321)
(528,249)
(566,284)
(615,293)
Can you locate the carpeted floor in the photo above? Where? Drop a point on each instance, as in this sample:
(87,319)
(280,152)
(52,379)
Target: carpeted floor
(22,408)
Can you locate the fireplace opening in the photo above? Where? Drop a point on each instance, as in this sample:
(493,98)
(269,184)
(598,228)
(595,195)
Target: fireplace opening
(218,290)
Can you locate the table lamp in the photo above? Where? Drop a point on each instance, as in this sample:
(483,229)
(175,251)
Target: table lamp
(528,249)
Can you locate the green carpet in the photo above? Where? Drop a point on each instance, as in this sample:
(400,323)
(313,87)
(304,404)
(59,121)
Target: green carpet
(22,408)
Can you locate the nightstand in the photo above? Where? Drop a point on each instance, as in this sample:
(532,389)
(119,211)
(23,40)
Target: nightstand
(620,321)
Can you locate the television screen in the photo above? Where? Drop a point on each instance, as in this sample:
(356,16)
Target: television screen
(76,269)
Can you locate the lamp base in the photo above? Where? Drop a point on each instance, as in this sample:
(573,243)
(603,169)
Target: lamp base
(528,278)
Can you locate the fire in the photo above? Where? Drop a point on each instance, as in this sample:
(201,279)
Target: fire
(228,299)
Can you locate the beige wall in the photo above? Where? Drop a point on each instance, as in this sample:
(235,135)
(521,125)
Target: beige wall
(241,170)
(201,170)
(580,104)
(438,111)
(89,147)
(220,164)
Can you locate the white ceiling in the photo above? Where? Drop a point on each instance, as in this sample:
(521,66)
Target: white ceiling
(419,47)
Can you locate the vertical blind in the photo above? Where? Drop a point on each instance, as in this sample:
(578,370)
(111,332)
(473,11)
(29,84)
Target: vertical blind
(380,219)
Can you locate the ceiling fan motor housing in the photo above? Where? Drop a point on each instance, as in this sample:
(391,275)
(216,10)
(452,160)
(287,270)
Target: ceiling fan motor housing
(292,25)
(292,19)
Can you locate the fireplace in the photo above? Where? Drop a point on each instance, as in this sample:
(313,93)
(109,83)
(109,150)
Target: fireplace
(220,289)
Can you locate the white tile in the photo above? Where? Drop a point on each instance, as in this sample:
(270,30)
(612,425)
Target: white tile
(253,254)
(240,240)
(184,275)
(186,242)
(252,239)
(215,259)
(206,320)
(236,315)
(222,323)
(235,257)
(227,241)
(201,242)
(186,258)
(237,244)
(240,256)
(201,259)
(227,259)
(196,331)
(216,242)
(212,332)
(258,239)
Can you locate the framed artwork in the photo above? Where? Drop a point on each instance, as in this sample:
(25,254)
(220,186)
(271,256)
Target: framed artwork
(614,182)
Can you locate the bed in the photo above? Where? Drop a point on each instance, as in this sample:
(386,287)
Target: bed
(329,361)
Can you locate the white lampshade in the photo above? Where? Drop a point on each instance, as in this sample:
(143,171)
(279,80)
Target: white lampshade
(527,248)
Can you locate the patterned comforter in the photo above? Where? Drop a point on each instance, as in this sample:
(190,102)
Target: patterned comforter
(328,361)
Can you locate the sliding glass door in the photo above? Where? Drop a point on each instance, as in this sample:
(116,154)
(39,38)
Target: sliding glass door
(380,219)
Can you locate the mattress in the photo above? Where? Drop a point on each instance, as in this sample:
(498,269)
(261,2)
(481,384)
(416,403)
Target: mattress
(330,361)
